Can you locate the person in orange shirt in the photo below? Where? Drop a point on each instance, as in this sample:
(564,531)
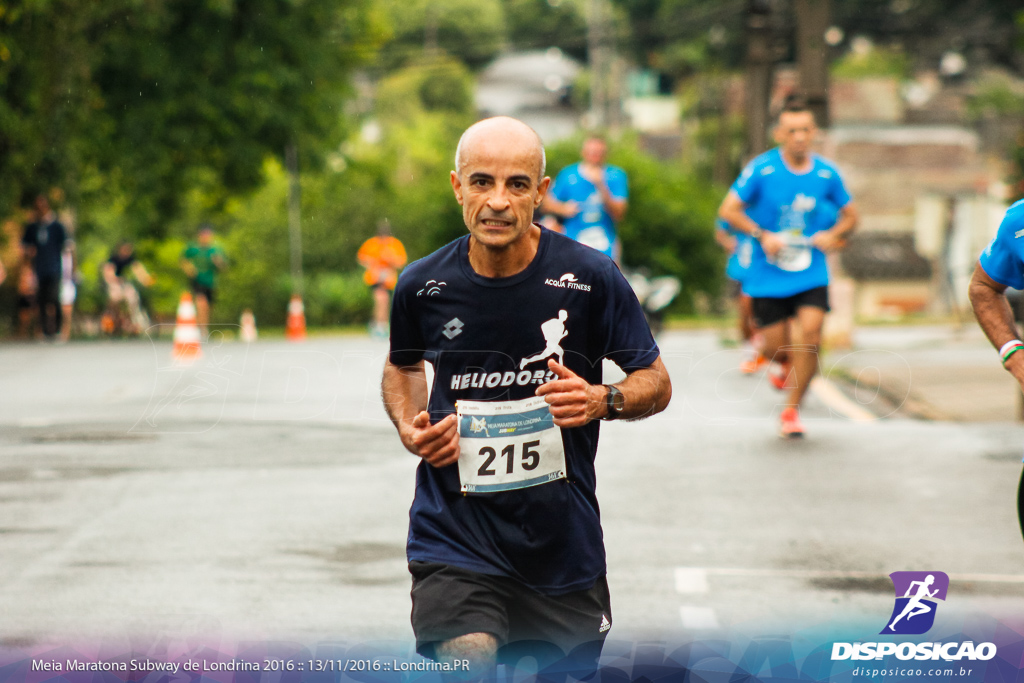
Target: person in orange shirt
(382,256)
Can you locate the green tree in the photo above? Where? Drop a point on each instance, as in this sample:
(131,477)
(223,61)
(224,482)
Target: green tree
(539,24)
(473,31)
(148,98)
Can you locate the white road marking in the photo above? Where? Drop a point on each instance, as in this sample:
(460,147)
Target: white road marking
(825,574)
(829,394)
(698,618)
(691,580)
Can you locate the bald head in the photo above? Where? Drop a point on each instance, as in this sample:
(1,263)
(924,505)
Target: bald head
(502,134)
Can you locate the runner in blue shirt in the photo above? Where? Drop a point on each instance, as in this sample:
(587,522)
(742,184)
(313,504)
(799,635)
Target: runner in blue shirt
(591,197)
(1002,265)
(505,540)
(739,246)
(782,200)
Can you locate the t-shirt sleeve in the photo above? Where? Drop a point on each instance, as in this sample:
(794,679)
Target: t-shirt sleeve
(628,339)
(837,192)
(560,190)
(618,183)
(1000,260)
(748,186)
(407,345)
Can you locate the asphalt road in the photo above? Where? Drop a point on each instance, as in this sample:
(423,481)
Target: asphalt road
(262,494)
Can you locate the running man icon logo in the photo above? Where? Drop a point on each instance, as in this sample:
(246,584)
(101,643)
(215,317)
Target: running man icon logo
(554,332)
(479,424)
(916,593)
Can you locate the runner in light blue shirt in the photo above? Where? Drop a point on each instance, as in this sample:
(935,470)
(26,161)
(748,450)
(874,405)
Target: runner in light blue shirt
(782,201)
(1002,265)
(739,246)
(591,197)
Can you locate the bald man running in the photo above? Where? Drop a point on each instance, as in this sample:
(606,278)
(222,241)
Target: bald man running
(505,544)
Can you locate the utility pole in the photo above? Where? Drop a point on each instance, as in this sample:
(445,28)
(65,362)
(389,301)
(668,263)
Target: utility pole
(597,57)
(430,30)
(812,20)
(291,157)
(759,74)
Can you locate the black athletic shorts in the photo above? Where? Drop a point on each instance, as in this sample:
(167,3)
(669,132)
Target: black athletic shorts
(198,289)
(448,602)
(1020,503)
(768,310)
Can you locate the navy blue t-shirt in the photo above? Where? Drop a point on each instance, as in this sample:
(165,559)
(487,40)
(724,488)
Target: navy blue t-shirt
(480,335)
(48,238)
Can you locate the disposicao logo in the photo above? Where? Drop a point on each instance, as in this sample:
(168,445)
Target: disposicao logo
(914,614)
(916,595)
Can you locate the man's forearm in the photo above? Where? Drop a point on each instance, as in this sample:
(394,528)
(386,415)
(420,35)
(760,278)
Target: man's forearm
(992,309)
(615,206)
(847,222)
(404,392)
(732,212)
(646,391)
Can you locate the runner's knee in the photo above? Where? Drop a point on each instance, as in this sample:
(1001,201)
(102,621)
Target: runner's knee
(480,650)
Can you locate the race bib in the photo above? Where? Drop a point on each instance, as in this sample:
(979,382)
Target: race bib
(595,237)
(795,257)
(507,445)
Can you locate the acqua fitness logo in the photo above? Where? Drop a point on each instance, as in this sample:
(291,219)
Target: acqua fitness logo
(917,596)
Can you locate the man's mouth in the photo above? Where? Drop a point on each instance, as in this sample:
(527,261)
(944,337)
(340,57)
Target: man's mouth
(495,222)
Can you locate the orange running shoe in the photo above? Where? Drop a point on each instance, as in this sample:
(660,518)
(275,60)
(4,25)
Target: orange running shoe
(778,374)
(752,365)
(789,424)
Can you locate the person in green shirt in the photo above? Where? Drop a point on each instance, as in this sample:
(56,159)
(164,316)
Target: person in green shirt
(201,261)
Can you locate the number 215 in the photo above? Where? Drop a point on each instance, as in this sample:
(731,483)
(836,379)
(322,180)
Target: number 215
(531,458)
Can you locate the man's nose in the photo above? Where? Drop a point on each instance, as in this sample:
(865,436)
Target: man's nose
(498,199)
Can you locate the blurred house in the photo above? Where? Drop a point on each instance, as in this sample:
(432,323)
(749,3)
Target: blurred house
(534,87)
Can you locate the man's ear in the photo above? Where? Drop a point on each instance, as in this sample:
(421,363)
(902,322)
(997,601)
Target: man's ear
(456,186)
(542,190)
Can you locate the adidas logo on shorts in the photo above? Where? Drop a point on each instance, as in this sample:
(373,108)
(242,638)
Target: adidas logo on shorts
(605,624)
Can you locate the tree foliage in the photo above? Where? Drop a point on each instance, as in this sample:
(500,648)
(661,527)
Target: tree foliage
(148,98)
(472,31)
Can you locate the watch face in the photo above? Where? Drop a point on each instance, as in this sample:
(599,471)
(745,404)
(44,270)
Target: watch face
(616,401)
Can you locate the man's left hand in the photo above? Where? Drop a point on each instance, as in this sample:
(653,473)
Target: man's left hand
(594,174)
(573,401)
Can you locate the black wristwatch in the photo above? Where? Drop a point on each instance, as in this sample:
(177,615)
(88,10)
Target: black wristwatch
(615,402)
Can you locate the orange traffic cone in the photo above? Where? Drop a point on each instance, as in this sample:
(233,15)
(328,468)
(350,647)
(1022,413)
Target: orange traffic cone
(186,332)
(295,328)
(247,333)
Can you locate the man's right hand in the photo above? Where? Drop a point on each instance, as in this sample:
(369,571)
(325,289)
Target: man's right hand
(438,444)
(771,243)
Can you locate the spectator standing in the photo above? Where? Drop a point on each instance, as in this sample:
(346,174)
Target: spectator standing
(43,246)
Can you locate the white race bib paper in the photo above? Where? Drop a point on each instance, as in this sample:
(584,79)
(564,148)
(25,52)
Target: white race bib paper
(507,445)
(795,257)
